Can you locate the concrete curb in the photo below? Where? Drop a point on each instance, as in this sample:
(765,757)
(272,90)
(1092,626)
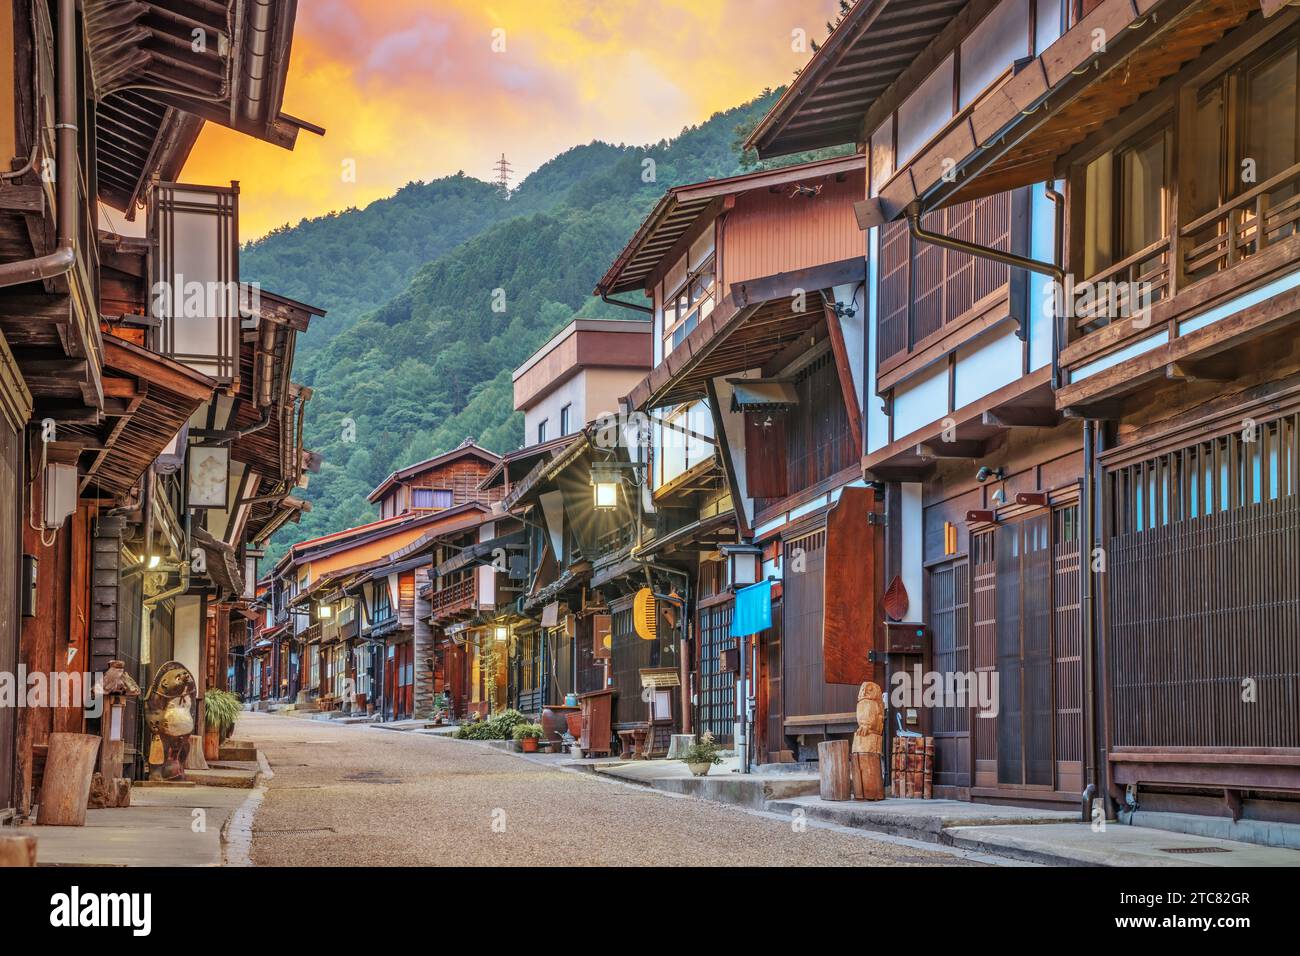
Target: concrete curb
(237,833)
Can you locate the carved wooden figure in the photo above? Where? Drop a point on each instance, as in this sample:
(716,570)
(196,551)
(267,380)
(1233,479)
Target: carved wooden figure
(169,712)
(868,744)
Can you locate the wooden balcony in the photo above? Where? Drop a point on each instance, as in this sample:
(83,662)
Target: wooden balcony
(1235,279)
(453,600)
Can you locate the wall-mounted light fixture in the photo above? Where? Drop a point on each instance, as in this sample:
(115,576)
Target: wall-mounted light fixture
(604,482)
(501,633)
(744,564)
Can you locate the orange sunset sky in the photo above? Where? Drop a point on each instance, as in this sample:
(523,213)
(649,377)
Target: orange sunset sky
(412,89)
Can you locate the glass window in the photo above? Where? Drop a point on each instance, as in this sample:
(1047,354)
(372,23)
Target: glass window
(565,424)
(428,498)
(541,430)
(1270,116)
(997,41)
(1142,194)
(694,301)
(1206,180)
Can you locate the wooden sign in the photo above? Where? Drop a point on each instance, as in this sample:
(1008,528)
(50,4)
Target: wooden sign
(854,589)
(601,636)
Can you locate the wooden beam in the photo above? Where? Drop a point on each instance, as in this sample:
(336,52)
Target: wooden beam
(969,449)
(35,308)
(1206,371)
(844,368)
(812,279)
(728,465)
(25,199)
(1021,418)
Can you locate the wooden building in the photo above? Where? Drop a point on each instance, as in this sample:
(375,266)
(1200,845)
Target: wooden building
(571,634)
(1084,509)
(753,416)
(110,394)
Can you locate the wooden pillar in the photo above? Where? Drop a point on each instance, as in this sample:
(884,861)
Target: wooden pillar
(833,765)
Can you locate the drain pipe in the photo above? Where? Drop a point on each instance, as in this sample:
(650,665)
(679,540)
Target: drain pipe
(61,260)
(604,297)
(1085,569)
(920,233)
(1058,255)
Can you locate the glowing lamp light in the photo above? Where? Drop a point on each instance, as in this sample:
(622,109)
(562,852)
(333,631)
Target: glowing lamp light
(744,563)
(154,561)
(604,483)
(501,633)
(326,612)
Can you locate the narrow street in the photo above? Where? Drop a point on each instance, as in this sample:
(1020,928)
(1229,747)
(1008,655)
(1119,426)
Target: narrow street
(360,796)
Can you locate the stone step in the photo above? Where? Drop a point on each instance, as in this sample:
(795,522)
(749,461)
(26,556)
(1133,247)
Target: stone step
(224,777)
(237,751)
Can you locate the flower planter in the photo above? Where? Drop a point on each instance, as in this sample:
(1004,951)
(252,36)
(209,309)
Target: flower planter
(700,769)
(529,745)
(211,743)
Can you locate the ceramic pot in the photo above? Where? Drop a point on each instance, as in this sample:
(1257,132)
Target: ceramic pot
(700,769)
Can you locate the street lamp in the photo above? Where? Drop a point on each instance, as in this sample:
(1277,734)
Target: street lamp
(326,612)
(744,564)
(604,483)
(502,633)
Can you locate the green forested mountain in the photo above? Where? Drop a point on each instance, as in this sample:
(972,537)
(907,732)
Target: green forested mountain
(438,292)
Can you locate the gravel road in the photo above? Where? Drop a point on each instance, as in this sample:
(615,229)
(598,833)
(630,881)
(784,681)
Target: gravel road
(360,796)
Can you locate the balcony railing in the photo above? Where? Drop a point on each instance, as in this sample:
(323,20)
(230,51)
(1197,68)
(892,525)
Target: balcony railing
(453,598)
(1243,226)
(1219,255)
(1133,283)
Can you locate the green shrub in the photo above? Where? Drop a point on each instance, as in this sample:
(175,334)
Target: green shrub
(497,727)
(705,751)
(220,709)
(525,731)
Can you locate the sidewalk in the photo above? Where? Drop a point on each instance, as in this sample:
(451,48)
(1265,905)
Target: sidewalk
(1048,837)
(164,826)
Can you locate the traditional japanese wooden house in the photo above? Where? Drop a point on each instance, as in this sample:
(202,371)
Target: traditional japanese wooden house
(1113,530)
(304,602)
(578,580)
(96,117)
(467,621)
(753,411)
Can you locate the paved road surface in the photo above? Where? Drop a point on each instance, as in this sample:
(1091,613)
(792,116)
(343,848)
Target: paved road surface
(360,796)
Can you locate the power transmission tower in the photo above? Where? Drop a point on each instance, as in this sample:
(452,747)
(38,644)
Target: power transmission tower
(503,170)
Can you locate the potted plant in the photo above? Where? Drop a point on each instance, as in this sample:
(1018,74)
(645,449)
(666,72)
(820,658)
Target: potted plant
(700,756)
(527,735)
(220,709)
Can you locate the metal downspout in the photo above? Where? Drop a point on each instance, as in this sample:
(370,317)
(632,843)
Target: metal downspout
(627,305)
(64,257)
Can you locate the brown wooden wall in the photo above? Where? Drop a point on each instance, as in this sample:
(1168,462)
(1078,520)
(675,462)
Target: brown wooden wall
(803,678)
(768,233)
(1202,593)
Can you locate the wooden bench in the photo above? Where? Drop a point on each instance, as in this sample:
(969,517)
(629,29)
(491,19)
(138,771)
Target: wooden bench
(633,741)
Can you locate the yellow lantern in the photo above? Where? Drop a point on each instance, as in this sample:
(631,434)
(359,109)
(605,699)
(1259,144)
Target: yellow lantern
(645,615)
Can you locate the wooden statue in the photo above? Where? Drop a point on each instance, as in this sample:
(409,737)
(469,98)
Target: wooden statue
(169,712)
(869,744)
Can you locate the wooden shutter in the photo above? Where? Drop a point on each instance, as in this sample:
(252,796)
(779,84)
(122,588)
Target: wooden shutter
(853,589)
(766,473)
(895,288)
